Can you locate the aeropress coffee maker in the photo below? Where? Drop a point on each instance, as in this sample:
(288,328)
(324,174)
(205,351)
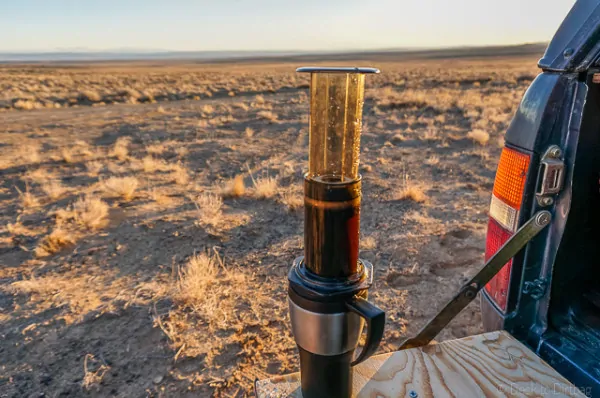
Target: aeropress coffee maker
(328,285)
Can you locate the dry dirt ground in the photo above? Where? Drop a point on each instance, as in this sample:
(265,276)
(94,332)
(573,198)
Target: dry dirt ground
(144,246)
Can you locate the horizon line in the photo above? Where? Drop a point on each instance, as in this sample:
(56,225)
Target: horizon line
(125,50)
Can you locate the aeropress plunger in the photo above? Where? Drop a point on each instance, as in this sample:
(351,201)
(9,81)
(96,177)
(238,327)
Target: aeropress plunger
(328,285)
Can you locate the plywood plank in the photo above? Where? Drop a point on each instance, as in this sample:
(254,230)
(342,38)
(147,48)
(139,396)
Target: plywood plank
(487,365)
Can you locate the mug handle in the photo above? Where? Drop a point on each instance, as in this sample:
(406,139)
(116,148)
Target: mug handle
(375,319)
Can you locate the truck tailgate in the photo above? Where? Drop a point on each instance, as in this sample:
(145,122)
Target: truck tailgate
(487,365)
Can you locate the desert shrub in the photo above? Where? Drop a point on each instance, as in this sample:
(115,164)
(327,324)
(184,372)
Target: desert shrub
(479,136)
(267,115)
(179,174)
(90,95)
(234,187)
(54,242)
(412,193)
(28,199)
(150,164)
(120,149)
(209,209)
(53,189)
(91,212)
(368,243)
(123,187)
(292,200)
(432,160)
(265,187)
(30,153)
(25,105)
(67,155)
(94,167)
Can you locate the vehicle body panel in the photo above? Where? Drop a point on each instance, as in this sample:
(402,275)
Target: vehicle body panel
(561,107)
(576,44)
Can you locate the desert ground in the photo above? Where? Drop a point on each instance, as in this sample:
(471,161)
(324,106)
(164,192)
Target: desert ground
(149,213)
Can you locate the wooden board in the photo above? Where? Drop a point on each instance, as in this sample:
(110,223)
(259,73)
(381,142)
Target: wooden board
(487,365)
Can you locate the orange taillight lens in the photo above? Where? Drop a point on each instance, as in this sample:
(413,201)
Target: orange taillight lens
(511,176)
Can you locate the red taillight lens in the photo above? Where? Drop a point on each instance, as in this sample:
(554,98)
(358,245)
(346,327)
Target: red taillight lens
(497,288)
(504,216)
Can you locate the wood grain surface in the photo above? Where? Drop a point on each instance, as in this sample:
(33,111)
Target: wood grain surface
(487,365)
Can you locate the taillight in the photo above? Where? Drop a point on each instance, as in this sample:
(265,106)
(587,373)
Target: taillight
(504,216)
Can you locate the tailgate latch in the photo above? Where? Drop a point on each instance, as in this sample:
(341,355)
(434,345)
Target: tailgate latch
(553,176)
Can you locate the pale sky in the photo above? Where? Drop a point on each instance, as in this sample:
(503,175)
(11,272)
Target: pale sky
(304,25)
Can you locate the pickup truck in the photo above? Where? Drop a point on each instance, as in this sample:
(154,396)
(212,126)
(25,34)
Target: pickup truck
(548,296)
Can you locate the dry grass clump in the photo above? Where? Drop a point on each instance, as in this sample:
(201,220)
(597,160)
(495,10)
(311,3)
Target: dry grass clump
(25,105)
(93,372)
(412,193)
(292,200)
(156,149)
(91,212)
(409,191)
(54,242)
(123,187)
(388,98)
(30,153)
(39,176)
(267,115)
(432,160)
(481,153)
(94,167)
(32,285)
(16,228)
(479,136)
(368,243)
(209,208)
(159,197)
(179,174)
(208,109)
(397,139)
(211,297)
(53,189)
(151,164)
(67,155)
(234,187)
(83,149)
(201,124)
(265,187)
(242,106)
(90,95)
(211,290)
(430,135)
(28,200)
(181,151)
(501,142)
(120,149)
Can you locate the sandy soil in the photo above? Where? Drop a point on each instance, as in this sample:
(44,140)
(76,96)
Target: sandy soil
(144,247)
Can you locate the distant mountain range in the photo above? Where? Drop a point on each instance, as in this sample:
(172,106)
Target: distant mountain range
(116,55)
(83,55)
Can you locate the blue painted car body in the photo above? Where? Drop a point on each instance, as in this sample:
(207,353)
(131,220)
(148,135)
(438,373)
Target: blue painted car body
(561,322)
